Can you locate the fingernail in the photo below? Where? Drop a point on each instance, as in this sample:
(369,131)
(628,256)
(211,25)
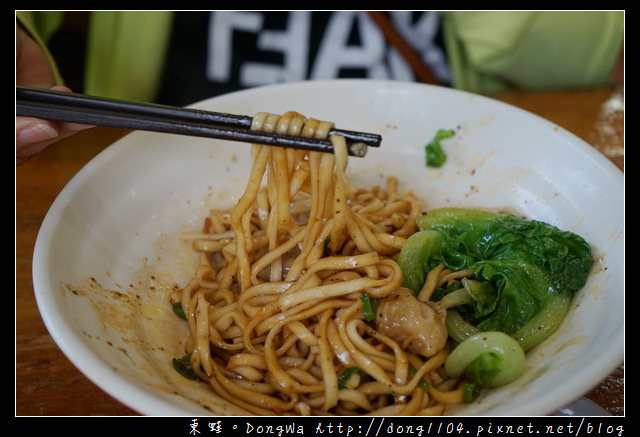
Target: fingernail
(36,133)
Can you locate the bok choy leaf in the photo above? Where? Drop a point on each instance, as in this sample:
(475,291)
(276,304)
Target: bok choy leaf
(525,272)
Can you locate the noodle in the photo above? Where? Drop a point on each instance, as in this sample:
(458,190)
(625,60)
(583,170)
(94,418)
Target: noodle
(275,310)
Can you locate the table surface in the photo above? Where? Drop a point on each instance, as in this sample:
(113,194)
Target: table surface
(48,384)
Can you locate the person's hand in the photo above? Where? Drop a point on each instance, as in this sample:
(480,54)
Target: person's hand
(32,69)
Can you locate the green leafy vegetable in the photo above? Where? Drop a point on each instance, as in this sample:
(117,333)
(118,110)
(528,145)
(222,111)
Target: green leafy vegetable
(435,154)
(183,367)
(525,272)
(416,253)
(458,328)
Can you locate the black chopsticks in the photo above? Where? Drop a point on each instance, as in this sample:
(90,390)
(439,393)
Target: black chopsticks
(98,111)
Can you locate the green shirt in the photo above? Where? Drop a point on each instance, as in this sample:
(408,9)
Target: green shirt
(491,51)
(125,49)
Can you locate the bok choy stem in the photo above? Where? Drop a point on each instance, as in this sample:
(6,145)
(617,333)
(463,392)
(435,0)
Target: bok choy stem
(544,323)
(490,359)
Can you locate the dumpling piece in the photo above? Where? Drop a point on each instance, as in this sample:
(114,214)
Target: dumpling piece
(416,326)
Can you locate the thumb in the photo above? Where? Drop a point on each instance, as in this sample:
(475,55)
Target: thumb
(32,136)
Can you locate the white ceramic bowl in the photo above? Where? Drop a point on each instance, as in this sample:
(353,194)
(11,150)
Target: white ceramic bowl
(109,245)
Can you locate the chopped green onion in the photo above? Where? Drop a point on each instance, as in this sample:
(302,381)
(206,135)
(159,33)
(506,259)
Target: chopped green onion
(368,307)
(179,311)
(183,367)
(326,251)
(470,392)
(423,383)
(435,155)
(350,378)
